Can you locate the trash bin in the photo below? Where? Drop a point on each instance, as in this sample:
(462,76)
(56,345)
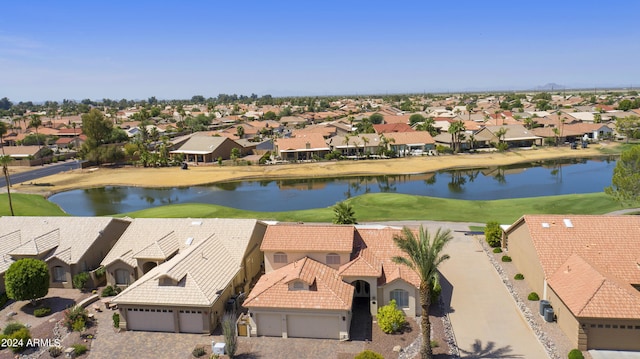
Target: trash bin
(544,304)
(549,315)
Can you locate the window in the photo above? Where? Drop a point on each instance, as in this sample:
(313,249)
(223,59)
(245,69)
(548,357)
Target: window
(122,277)
(59,274)
(298,285)
(280,257)
(333,258)
(401,297)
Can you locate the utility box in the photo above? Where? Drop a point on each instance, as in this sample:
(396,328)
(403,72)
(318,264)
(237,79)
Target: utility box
(544,304)
(549,315)
(218,348)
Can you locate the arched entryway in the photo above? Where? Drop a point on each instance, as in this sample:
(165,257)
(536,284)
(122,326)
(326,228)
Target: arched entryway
(361,321)
(148,266)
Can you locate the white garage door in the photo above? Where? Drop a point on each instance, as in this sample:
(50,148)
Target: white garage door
(151,320)
(311,326)
(269,324)
(191,321)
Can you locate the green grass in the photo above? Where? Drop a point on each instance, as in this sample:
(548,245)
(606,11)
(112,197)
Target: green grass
(368,207)
(476,228)
(29,205)
(389,206)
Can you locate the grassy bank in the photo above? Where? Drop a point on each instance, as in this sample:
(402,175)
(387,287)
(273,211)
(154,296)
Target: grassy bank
(395,207)
(28,205)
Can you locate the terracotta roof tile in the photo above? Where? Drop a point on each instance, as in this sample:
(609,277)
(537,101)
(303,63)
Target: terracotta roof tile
(308,238)
(327,290)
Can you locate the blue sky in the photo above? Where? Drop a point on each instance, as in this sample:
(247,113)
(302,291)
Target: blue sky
(52,50)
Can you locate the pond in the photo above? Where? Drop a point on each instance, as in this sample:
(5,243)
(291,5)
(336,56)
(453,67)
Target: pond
(547,178)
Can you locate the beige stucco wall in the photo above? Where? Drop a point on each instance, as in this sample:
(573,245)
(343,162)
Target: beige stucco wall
(521,250)
(565,319)
(373,291)
(321,257)
(67,283)
(414,296)
(101,246)
(111,272)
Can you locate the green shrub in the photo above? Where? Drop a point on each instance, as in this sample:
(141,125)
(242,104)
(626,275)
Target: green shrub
(3,339)
(518,276)
(436,289)
(12,328)
(506,259)
(109,291)
(575,354)
(55,352)
(76,318)
(390,318)
(435,344)
(198,352)
(493,234)
(497,250)
(533,296)
(42,312)
(116,320)
(79,349)
(20,339)
(100,271)
(368,354)
(80,280)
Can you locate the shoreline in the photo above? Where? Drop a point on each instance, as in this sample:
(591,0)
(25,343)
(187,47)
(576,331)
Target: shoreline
(208,174)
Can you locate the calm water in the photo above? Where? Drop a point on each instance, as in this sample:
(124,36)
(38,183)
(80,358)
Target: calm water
(531,180)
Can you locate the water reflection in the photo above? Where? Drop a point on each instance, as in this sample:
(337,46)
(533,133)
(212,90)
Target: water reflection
(539,179)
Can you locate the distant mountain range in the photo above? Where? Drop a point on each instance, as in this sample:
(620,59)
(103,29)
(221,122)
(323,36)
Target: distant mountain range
(550,86)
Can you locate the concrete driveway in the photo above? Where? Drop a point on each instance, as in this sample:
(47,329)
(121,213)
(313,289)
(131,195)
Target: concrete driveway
(484,316)
(612,354)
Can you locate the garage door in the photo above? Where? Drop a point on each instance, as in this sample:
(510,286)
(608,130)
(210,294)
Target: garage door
(269,324)
(615,337)
(151,320)
(191,321)
(310,326)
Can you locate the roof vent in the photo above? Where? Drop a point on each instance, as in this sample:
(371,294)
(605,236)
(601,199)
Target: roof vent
(196,223)
(189,241)
(545,225)
(567,223)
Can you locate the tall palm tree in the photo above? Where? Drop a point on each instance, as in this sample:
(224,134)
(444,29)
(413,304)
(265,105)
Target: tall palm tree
(36,122)
(3,131)
(423,256)
(4,162)
(456,130)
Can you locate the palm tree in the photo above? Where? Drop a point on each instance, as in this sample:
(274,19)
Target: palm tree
(456,130)
(344,214)
(423,256)
(364,147)
(3,131)
(36,122)
(4,162)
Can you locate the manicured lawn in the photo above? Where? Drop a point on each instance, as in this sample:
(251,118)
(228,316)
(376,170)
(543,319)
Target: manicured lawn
(389,206)
(28,205)
(369,207)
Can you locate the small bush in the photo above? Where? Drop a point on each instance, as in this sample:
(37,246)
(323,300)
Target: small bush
(100,272)
(12,328)
(506,259)
(110,291)
(435,344)
(390,318)
(368,354)
(198,352)
(3,339)
(533,296)
(518,276)
(79,349)
(575,354)
(493,234)
(55,352)
(436,290)
(497,250)
(76,318)
(21,337)
(116,320)
(42,312)
(80,280)
(214,356)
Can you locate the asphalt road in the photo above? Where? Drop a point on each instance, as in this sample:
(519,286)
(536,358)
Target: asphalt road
(40,172)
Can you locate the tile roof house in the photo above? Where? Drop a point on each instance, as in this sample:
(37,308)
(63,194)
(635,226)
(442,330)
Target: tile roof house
(69,245)
(587,267)
(206,149)
(301,148)
(180,274)
(319,273)
(410,143)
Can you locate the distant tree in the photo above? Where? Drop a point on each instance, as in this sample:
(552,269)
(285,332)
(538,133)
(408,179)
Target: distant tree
(597,118)
(625,185)
(240,131)
(27,279)
(376,118)
(3,131)
(456,129)
(235,154)
(96,127)
(629,126)
(416,118)
(5,104)
(198,99)
(36,122)
(4,162)
(343,213)
(270,116)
